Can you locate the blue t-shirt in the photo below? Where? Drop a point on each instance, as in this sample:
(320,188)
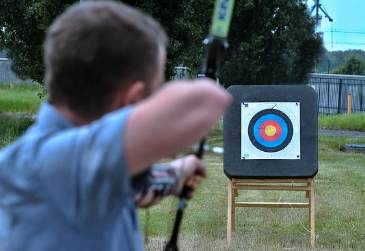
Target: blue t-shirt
(64,187)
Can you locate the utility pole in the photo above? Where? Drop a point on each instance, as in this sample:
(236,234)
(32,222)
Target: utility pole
(318,6)
(318,17)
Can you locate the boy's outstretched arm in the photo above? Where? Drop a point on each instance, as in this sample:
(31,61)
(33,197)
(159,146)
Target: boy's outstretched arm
(175,117)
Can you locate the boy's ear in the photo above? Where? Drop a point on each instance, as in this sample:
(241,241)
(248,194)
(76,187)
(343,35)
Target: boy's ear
(134,93)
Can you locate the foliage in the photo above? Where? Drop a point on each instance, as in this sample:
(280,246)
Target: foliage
(271,42)
(186,22)
(25,23)
(330,62)
(353,66)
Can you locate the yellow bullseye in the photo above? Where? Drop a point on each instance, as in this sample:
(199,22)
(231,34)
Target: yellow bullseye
(270,130)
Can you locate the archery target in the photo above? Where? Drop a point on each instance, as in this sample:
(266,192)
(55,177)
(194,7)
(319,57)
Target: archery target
(270,130)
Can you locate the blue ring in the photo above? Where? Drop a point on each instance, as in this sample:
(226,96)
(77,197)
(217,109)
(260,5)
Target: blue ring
(281,122)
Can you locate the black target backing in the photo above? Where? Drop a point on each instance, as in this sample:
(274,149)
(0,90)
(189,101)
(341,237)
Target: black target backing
(304,167)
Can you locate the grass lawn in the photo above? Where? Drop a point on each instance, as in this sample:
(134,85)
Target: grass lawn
(351,122)
(20,98)
(11,127)
(339,201)
(339,196)
(18,102)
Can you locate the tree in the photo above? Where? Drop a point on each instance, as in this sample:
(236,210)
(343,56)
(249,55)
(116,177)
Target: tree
(332,61)
(337,58)
(353,66)
(25,23)
(323,64)
(185,21)
(271,42)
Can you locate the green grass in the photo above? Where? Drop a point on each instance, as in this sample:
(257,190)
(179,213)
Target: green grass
(11,127)
(349,122)
(339,200)
(339,195)
(23,97)
(18,102)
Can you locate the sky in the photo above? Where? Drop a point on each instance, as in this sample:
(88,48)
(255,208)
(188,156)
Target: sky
(347,30)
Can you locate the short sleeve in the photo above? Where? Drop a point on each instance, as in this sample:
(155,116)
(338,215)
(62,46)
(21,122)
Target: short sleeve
(83,170)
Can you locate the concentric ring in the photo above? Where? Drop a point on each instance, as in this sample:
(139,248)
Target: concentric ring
(270,130)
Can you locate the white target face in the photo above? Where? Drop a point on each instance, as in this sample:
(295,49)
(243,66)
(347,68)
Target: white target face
(270,130)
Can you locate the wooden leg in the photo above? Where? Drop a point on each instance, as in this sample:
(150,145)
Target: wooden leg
(229,213)
(311,213)
(307,193)
(235,185)
(233,212)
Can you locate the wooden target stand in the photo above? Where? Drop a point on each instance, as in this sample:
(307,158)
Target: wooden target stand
(306,185)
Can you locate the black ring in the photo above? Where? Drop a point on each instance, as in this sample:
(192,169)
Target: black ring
(257,117)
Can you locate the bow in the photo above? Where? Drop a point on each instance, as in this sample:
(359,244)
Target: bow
(215,44)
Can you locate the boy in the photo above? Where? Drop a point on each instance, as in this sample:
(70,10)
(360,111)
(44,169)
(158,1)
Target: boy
(69,183)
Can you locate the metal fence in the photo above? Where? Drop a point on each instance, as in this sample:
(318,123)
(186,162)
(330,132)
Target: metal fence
(333,92)
(6,75)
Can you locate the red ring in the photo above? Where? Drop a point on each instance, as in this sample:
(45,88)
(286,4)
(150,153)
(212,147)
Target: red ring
(273,123)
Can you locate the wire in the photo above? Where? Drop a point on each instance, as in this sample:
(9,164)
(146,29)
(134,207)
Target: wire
(346,31)
(344,42)
(301,223)
(295,212)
